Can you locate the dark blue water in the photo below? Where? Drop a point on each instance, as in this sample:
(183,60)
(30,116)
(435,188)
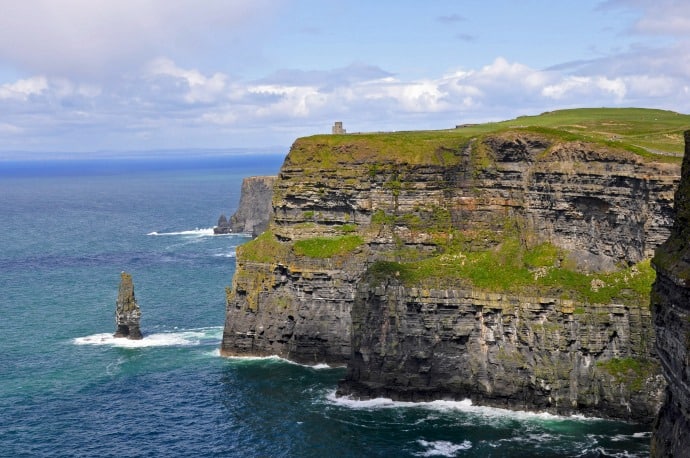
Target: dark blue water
(68,389)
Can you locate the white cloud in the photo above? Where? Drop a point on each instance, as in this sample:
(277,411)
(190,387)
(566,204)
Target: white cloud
(585,86)
(99,38)
(659,17)
(167,104)
(41,89)
(24,88)
(199,88)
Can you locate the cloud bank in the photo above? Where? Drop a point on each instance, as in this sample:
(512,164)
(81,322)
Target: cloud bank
(108,79)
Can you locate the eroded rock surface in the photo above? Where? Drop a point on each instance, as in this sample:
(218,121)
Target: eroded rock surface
(549,354)
(127,311)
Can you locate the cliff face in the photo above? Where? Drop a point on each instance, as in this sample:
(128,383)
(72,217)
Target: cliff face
(254,208)
(503,350)
(671,310)
(381,252)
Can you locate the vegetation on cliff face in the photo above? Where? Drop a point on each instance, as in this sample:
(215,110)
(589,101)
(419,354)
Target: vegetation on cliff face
(508,270)
(632,371)
(322,247)
(266,248)
(504,260)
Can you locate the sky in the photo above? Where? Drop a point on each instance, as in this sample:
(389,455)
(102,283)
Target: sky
(79,77)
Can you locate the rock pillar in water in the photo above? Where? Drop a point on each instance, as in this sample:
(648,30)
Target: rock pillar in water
(127,312)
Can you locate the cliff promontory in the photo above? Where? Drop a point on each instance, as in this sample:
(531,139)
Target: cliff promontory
(254,208)
(505,264)
(671,311)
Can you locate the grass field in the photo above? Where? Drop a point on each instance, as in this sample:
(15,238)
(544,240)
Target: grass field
(655,134)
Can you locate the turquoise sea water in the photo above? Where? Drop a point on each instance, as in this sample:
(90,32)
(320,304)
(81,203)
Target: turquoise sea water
(68,389)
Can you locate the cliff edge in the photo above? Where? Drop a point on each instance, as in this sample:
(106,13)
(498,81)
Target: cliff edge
(671,311)
(509,266)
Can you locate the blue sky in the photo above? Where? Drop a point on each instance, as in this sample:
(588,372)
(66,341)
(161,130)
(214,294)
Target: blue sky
(83,76)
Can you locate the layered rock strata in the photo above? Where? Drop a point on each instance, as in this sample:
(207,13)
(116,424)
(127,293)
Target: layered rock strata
(606,208)
(419,344)
(671,311)
(254,208)
(127,311)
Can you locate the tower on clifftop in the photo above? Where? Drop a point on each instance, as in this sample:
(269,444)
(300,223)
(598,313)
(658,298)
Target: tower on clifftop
(338,128)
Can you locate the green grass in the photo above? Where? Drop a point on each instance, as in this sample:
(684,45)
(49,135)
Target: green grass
(539,270)
(632,371)
(348,228)
(645,132)
(264,248)
(382,270)
(324,248)
(655,129)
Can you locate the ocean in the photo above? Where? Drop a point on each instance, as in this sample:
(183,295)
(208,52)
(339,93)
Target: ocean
(67,388)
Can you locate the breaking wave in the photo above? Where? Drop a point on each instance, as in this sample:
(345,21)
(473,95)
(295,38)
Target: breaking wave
(183,338)
(464,406)
(318,366)
(199,232)
(442,448)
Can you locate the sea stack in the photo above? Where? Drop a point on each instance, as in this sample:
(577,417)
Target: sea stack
(127,312)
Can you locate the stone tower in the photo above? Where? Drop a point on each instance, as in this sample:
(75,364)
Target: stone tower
(338,128)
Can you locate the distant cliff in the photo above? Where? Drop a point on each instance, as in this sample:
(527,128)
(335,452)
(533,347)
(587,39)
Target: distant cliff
(509,267)
(254,209)
(671,311)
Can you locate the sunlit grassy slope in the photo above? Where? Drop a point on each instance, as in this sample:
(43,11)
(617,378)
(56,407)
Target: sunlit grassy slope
(657,130)
(654,134)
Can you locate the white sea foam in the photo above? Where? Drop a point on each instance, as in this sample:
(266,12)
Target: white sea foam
(199,232)
(625,437)
(464,406)
(533,438)
(182,338)
(442,448)
(600,451)
(254,358)
(231,254)
(318,366)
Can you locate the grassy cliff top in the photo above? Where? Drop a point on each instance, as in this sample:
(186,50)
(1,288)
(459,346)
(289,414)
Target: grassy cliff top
(654,134)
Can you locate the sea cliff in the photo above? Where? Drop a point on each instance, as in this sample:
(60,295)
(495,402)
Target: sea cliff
(254,208)
(510,267)
(671,311)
